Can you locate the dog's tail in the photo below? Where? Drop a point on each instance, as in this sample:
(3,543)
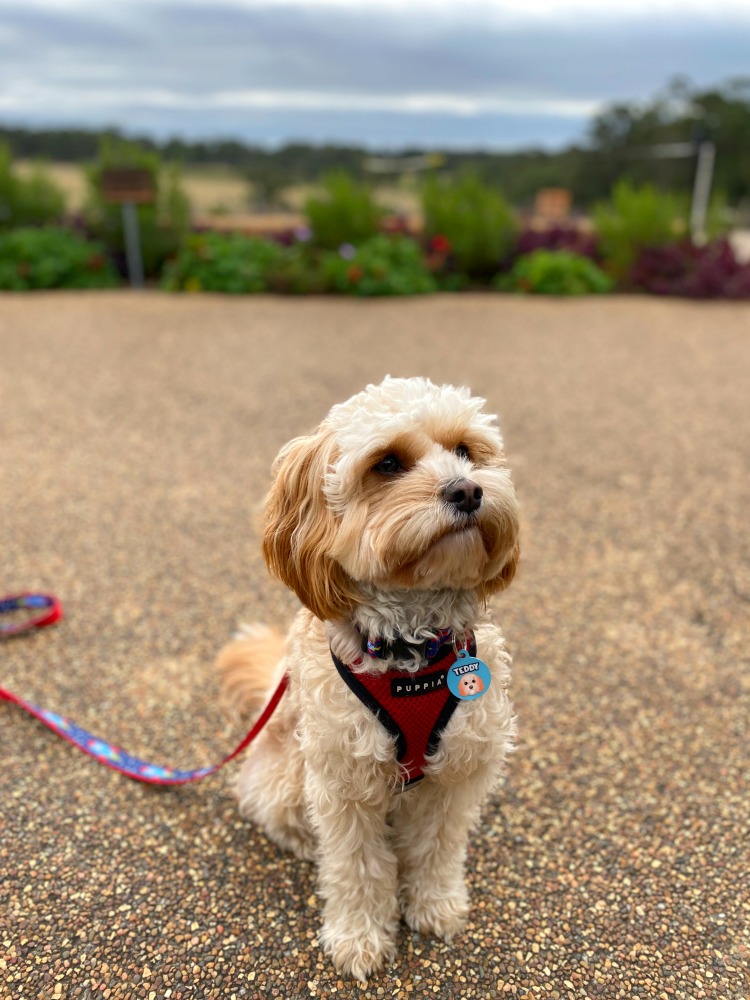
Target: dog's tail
(247,668)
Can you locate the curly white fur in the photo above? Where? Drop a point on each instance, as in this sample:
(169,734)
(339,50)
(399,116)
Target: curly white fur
(385,555)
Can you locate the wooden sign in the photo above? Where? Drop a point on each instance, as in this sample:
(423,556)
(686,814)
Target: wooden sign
(131,185)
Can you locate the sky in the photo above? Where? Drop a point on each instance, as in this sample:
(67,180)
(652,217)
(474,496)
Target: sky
(428,74)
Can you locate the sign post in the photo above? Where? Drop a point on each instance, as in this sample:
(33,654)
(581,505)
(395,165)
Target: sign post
(130,186)
(704,171)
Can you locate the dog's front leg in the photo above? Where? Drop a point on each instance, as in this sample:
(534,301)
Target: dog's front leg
(357,875)
(431,832)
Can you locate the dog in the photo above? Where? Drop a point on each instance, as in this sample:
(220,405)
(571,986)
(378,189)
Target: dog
(393,522)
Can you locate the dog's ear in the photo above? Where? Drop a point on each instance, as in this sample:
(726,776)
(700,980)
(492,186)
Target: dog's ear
(300,528)
(505,577)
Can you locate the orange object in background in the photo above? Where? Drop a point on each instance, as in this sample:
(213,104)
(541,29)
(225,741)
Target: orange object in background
(552,203)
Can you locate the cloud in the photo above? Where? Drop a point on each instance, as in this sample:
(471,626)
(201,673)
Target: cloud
(196,67)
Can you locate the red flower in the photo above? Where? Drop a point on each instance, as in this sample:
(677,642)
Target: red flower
(440,244)
(354,273)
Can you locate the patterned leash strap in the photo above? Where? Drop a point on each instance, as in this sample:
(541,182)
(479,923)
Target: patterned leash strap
(101,751)
(41,610)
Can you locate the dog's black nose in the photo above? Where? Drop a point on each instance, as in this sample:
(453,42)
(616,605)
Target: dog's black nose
(464,494)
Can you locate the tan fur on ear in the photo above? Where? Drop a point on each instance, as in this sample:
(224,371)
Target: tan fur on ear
(300,528)
(506,574)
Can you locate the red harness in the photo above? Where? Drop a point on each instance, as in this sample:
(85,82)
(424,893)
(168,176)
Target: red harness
(414,707)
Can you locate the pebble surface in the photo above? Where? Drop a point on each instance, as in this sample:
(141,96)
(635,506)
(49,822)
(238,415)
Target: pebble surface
(137,436)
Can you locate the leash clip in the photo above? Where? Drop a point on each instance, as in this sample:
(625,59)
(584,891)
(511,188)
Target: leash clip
(462,645)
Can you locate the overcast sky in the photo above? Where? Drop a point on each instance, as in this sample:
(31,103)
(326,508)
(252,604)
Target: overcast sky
(424,73)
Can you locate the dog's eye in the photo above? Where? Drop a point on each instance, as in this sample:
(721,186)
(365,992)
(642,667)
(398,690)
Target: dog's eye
(462,451)
(388,466)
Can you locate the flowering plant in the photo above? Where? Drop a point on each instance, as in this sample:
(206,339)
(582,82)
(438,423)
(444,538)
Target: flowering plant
(469,224)
(696,272)
(383,265)
(33,259)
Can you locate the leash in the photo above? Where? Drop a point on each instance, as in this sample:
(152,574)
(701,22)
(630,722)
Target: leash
(100,750)
(49,610)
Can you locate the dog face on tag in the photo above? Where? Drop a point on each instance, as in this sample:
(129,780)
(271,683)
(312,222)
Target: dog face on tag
(470,685)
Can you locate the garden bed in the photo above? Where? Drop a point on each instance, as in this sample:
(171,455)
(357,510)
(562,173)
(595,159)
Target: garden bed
(346,244)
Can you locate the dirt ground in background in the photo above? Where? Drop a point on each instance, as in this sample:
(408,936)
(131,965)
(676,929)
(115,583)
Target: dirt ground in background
(222,198)
(137,435)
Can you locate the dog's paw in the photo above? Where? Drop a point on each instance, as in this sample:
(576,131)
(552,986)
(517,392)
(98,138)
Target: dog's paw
(358,956)
(440,916)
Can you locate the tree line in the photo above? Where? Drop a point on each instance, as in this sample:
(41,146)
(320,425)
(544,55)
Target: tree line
(634,140)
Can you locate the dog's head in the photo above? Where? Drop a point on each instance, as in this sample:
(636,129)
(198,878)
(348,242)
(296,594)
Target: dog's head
(405,485)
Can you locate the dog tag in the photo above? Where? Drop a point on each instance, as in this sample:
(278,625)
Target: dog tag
(469,677)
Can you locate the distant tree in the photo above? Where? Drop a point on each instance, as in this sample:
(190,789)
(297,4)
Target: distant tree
(267,182)
(622,140)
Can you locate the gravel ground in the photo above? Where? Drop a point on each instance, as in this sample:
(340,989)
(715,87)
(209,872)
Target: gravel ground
(137,434)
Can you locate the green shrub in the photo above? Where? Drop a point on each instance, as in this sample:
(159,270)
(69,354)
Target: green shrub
(162,224)
(345,213)
(214,262)
(475,220)
(555,272)
(222,262)
(27,201)
(384,265)
(300,270)
(636,218)
(718,217)
(32,259)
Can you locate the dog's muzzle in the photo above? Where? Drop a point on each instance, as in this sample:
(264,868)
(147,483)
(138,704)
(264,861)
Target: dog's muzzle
(464,495)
